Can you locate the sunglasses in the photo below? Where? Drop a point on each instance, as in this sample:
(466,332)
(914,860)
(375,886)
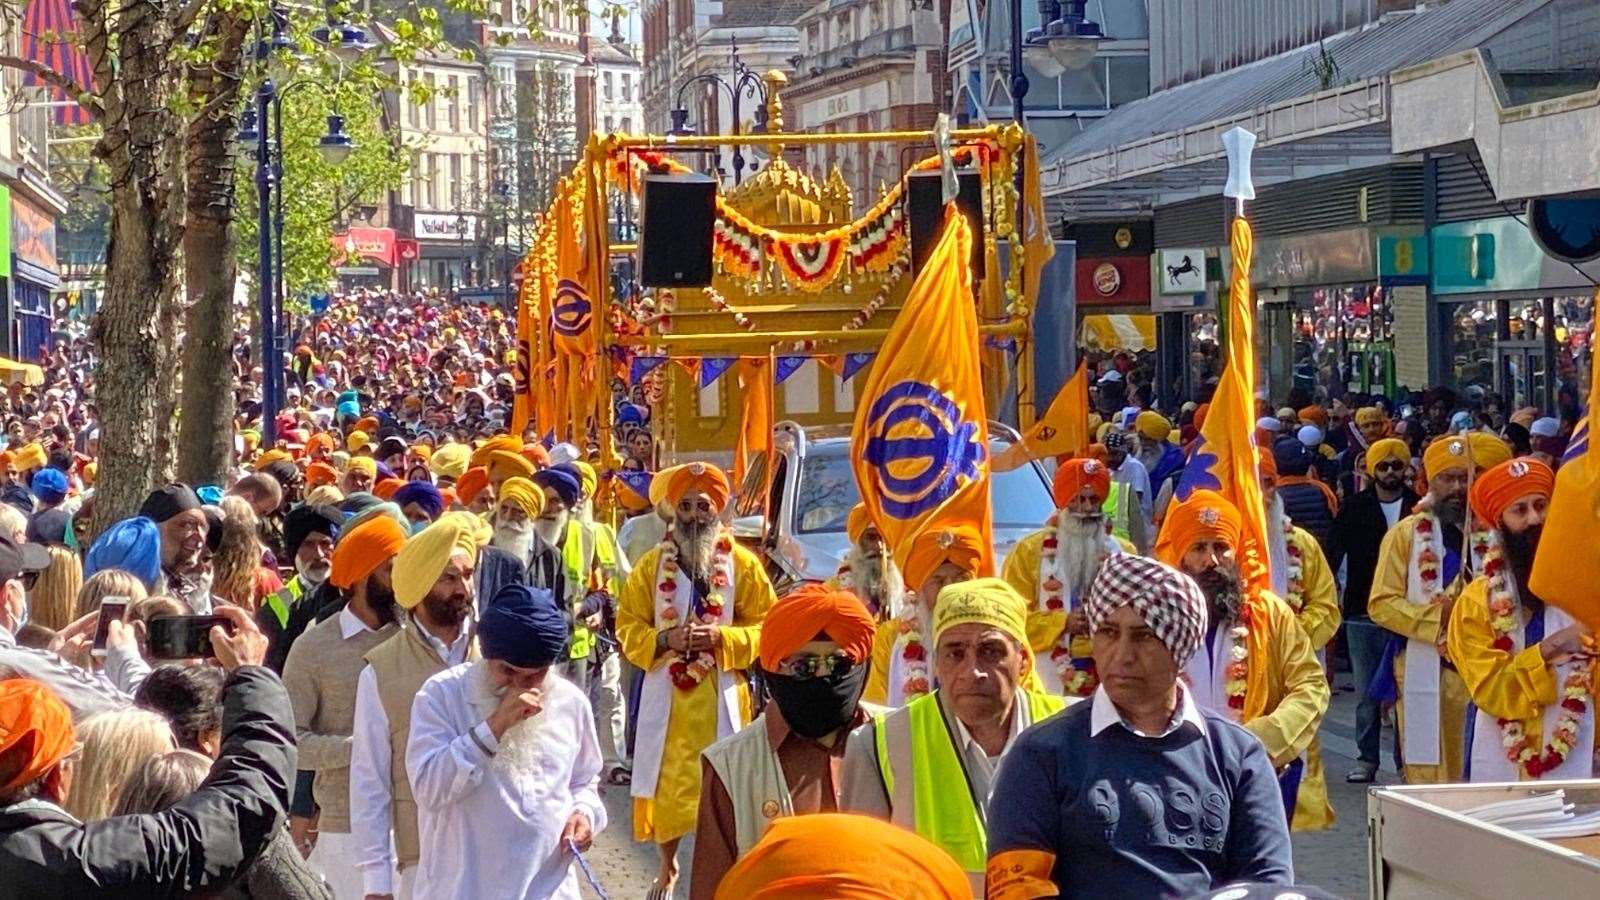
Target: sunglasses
(1390,466)
(812,665)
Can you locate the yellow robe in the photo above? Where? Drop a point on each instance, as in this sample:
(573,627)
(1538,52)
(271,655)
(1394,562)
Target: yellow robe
(877,689)
(1286,698)
(1391,607)
(692,718)
(1021,571)
(1504,685)
(1319,618)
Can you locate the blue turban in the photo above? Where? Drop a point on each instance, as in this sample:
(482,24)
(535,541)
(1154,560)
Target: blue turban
(565,482)
(49,485)
(423,494)
(631,414)
(523,627)
(132,545)
(348,409)
(209,494)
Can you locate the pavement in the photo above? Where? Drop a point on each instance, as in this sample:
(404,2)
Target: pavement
(1334,860)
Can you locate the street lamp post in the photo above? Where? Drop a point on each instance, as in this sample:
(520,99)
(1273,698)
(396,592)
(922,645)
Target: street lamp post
(745,83)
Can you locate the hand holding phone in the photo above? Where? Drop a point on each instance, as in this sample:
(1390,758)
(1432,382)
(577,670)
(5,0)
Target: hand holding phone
(112,609)
(183,637)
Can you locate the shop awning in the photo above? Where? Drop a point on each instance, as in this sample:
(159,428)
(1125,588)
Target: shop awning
(13,372)
(1118,332)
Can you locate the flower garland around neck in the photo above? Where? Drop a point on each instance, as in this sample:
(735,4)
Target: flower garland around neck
(688,671)
(1576,689)
(915,654)
(1075,681)
(1294,584)
(1428,561)
(1237,674)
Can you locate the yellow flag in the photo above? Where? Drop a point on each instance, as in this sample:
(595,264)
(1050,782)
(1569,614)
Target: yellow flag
(755,427)
(522,407)
(920,445)
(571,310)
(1063,429)
(1223,458)
(1567,566)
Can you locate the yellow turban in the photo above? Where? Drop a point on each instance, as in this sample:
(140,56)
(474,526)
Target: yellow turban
(450,461)
(1152,425)
(525,494)
(476,527)
(1388,448)
(984,601)
(504,443)
(270,457)
(698,477)
(829,856)
(1458,451)
(251,440)
(30,457)
(1367,415)
(658,485)
(363,464)
(357,441)
(858,523)
(504,464)
(590,478)
(423,558)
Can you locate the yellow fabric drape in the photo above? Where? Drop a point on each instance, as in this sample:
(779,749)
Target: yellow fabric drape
(692,717)
(755,426)
(1286,693)
(1319,618)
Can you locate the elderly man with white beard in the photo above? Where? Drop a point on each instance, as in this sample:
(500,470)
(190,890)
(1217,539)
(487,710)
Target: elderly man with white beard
(505,763)
(868,570)
(1053,569)
(518,506)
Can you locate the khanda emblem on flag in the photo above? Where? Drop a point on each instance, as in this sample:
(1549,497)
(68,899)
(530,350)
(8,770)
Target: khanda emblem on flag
(921,447)
(570,313)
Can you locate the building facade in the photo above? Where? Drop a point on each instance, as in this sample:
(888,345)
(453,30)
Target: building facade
(29,205)
(619,87)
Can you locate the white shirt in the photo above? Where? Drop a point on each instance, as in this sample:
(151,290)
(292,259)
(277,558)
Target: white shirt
(1133,474)
(370,770)
(980,765)
(1103,714)
(1391,511)
(640,533)
(486,835)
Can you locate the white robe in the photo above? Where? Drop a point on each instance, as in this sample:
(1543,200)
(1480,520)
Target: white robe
(485,835)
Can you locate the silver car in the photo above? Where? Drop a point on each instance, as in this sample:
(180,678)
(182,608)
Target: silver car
(814,489)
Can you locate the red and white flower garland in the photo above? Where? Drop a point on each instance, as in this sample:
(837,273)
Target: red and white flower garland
(1576,689)
(688,671)
(1075,682)
(1428,562)
(915,655)
(1236,676)
(1294,584)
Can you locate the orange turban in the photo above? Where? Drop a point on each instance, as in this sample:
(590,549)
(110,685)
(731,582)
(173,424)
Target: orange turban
(959,544)
(538,455)
(320,473)
(1267,464)
(363,549)
(1314,414)
(1200,413)
(838,856)
(798,618)
(369,424)
(384,490)
(1074,475)
(1456,451)
(471,484)
(698,477)
(1495,490)
(860,520)
(35,732)
(320,441)
(1206,515)
(508,443)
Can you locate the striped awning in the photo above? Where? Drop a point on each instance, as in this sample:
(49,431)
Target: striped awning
(49,38)
(1118,332)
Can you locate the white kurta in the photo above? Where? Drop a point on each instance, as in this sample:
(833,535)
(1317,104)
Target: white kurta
(483,834)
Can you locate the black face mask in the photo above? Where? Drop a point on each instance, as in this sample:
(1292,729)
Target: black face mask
(817,707)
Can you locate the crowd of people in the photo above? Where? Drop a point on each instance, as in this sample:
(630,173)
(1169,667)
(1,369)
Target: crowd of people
(401,652)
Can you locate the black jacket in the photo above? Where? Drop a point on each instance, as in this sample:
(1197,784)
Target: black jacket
(203,843)
(1307,506)
(1357,534)
(496,569)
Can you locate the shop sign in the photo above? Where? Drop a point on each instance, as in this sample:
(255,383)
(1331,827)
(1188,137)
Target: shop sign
(1402,258)
(1182,271)
(851,102)
(1307,260)
(445,227)
(356,270)
(377,244)
(1500,254)
(1113,281)
(33,241)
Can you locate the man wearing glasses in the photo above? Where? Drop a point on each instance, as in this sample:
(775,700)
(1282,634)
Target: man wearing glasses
(814,650)
(1357,536)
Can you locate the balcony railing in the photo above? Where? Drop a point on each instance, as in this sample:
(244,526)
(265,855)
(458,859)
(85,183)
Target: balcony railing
(895,40)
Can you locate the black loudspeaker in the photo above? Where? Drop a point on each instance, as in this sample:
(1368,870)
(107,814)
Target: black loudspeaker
(925,200)
(676,216)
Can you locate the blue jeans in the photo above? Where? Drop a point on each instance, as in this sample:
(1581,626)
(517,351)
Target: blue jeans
(1365,642)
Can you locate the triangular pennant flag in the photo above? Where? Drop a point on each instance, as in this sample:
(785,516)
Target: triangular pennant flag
(833,361)
(853,363)
(644,365)
(690,364)
(712,367)
(788,365)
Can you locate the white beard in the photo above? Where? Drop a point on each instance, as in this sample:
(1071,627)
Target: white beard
(1080,545)
(879,581)
(515,539)
(1278,545)
(696,554)
(552,530)
(518,754)
(314,574)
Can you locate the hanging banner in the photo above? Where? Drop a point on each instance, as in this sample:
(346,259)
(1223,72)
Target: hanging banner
(853,363)
(712,367)
(788,365)
(644,365)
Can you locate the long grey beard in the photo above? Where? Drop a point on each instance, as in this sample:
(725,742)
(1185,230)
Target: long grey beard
(518,754)
(552,530)
(878,580)
(1278,546)
(1080,544)
(516,540)
(697,547)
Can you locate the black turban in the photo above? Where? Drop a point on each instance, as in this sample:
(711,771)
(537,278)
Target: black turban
(523,627)
(304,521)
(166,502)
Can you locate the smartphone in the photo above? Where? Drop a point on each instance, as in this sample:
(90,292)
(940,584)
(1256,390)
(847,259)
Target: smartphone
(183,637)
(110,608)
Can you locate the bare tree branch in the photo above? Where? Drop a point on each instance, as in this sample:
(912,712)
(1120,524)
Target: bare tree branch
(56,80)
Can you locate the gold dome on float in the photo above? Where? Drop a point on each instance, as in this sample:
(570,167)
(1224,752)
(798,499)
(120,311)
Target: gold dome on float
(780,195)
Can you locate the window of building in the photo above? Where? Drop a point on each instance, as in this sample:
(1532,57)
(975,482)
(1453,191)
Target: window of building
(605,89)
(608,126)
(711,400)
(844,394)
(414,180)
(455,181)
(452,101)
(474,174)
(627,124)
(473,104)
(627,88)
(430,114)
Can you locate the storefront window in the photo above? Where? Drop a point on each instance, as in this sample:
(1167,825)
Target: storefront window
(1574,333)
(1333,322)
(1470,344)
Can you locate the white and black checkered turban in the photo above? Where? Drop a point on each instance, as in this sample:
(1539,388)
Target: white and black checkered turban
(1168,601)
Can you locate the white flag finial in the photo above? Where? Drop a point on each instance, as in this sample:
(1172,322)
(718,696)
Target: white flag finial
(944,141)
(1240,144)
